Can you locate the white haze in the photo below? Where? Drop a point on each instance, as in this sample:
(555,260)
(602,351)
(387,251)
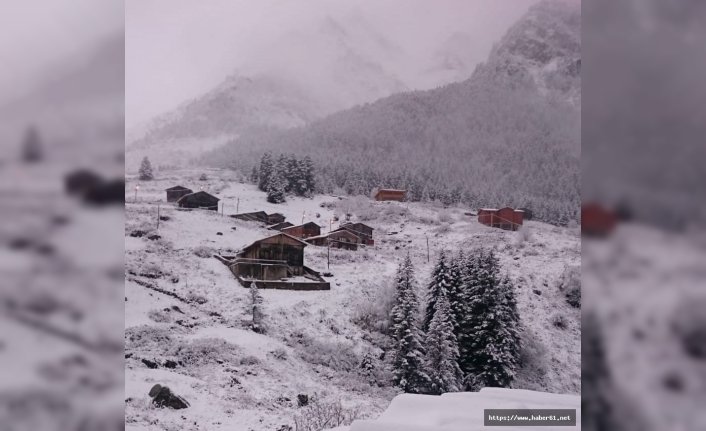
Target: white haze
(179,49)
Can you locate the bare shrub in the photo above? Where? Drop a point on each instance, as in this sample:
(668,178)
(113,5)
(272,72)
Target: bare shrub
(279,353)
(570,284)
(203,251)
(321,415)
(336,355)
(159,316)
(194,297)
(533,364)
(204,351)
(559,321)
(249,360)
(372,312)
(445,217)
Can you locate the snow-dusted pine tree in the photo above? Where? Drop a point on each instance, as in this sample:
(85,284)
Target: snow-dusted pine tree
(145,170)
(408,359)
(440,284)
(255,304)
(489,332)
(266,168)
(276,186)
(441,348)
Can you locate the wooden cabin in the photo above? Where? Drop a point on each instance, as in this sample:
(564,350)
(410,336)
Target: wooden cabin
(337,239)
(504,218)
(362,230)
(390,195)
(597,220)
(276,262)
(303,231)
(275,218)
(256,216)
(199,200)
(280,226)
(175,193)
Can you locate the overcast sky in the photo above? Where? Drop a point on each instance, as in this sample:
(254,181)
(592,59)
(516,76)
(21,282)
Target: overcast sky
(177,49)
(38,35)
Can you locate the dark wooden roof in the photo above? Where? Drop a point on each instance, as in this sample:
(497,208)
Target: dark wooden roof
(309,223)
(177,188)
(199,194)
(271,239)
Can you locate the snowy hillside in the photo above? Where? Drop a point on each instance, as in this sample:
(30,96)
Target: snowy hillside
(463,411)
(186,318)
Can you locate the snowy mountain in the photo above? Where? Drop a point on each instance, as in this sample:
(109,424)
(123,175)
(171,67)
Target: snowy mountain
(508,135)
(543,49)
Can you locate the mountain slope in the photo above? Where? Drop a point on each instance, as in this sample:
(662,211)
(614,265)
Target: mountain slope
(509,135)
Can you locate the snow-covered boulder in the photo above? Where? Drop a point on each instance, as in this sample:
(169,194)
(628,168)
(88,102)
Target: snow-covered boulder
(463,411)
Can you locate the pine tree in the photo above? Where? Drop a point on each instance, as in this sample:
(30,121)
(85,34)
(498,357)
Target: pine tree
(32,146)
(257,314)
(266,168)
(276,186)
(489,331)
(254,175)
(440,284)
(308,175)
(145,171)
(408,361)
(442,354)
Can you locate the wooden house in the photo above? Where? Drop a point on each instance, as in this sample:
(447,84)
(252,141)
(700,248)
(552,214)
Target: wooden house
(175,193)
(303,231)
(597,220)
(256,216)
(276,262)
(199,200)
(504,218)
(362,230)
(337,239)
(280,226)
(390,195)
(275,218)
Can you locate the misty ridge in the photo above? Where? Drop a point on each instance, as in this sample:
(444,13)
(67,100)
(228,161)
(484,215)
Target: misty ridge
(507,134)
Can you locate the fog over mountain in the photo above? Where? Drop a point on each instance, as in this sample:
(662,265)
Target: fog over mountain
(508,135)
(301,62)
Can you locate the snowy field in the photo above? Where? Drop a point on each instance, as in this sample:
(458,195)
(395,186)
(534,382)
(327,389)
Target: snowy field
(186,319)
(647,287)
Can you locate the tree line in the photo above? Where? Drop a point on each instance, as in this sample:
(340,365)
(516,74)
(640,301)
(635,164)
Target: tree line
(468,336)
(286,174)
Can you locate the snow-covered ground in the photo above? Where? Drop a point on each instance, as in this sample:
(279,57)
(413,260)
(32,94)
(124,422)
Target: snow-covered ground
(647,287)
(464,411)
(186,308)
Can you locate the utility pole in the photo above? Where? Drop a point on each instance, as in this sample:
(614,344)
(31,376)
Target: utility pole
(427,248)
(137,187)
(328,253)
(157,216)
(237,206)
(303,212)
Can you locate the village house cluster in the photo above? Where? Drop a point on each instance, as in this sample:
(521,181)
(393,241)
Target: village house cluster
(277,261)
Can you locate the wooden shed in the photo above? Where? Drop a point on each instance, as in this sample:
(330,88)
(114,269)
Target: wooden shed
(303,231)
(199,200)
(504,218)
(390,195)
(337,239)
(176,192)
(257,216)
(362,230)
(597,220)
